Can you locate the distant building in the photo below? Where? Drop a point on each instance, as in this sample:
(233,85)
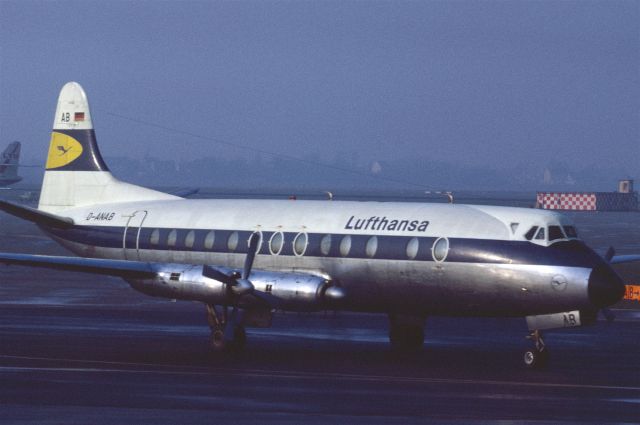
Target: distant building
(625,199)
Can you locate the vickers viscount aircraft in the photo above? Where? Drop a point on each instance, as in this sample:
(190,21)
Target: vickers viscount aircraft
(9,164)
(244,259)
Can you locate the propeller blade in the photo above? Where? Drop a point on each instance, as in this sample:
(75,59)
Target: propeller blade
(608,257)
(239,283)
(254,239)
(273,302)
(213,273)
(609,254)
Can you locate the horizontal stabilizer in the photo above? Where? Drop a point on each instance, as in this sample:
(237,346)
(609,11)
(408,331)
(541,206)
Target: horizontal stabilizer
(119,268)
(35,215)
(185,192)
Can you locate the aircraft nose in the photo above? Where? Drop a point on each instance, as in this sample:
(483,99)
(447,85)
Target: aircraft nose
(605,286)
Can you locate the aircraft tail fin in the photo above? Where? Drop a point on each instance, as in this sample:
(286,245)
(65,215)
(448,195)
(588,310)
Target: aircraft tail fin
(9,161)
(75,172)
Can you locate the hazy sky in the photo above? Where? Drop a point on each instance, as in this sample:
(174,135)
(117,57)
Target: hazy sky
(488,83)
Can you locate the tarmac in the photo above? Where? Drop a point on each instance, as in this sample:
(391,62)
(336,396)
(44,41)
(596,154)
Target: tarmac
(148,362)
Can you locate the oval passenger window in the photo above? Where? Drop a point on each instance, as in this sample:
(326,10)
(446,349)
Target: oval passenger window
(440,249)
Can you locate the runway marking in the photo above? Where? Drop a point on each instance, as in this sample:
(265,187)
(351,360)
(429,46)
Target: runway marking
(189,370)
(627,400)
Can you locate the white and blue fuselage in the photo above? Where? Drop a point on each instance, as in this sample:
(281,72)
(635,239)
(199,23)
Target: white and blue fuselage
(411,257)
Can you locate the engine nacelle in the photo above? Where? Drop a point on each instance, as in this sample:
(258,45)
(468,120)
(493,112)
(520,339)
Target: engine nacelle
(297,291)
(288,291)
(183,282)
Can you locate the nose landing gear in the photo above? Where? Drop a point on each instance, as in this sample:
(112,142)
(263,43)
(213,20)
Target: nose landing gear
(537,356)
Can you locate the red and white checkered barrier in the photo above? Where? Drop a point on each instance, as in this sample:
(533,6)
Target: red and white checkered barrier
(567,201)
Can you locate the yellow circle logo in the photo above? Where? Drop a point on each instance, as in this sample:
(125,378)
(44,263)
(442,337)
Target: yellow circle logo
(63,150)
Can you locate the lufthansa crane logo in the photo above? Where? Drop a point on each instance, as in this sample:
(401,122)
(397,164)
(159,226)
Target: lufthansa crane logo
(559,283)
(63,150)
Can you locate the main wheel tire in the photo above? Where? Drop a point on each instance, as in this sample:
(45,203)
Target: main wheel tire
(217,342)
(239,338)
(406,338)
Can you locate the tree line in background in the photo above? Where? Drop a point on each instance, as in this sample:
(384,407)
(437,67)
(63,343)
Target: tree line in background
(350,173)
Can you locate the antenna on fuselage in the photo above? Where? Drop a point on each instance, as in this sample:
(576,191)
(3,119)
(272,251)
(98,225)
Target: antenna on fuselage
(329,195)
(448,194)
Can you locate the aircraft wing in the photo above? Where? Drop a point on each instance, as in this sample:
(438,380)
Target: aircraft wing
(142,270)
(119,268)
(619,259)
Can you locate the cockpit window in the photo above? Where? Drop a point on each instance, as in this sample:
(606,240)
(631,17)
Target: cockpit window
(530,233)
(540,234)
(555,233)
(570,231)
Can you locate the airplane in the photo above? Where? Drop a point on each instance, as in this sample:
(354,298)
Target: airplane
(246,259)
(9,164)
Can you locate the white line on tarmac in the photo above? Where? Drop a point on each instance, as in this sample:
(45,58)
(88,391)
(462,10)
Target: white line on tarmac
(282,374)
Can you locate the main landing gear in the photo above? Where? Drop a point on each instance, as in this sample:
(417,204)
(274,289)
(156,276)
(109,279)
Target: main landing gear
(227,331)
(537,356)
(406,334)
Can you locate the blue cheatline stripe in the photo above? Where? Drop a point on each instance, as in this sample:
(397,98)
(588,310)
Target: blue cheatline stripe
(461,250)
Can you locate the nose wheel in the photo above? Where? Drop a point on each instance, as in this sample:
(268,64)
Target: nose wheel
(538,355)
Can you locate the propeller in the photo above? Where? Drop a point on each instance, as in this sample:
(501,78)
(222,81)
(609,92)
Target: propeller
(239,283)
(611,252)
(608,314)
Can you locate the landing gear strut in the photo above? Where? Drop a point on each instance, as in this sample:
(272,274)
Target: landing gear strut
(537,356)
(227,332)
(406,334)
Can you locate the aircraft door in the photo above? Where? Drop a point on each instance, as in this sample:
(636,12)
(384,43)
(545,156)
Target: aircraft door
(131,236)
